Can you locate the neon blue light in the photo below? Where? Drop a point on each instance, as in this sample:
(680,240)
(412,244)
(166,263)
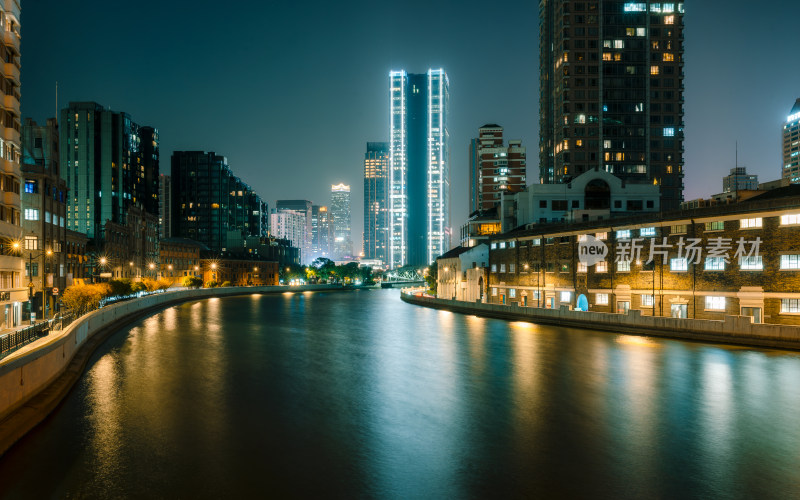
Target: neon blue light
(635,7)
(669,132)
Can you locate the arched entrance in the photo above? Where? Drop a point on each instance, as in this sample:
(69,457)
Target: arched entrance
(597,195)
(583,303)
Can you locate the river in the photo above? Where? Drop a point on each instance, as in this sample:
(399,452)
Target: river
(357,394)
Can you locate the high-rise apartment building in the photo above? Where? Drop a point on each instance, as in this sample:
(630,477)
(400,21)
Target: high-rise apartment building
(321,232)
(495,168)
(210,204)
(376,201)
(419,184)
(611,83)
(289,225)
(110,164)
(304,207)
(340,215)
(791,145)
(11,286)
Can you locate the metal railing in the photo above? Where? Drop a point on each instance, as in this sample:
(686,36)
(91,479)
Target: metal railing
(14,340)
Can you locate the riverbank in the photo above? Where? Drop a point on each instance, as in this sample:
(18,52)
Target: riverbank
(736,330)
(34,379)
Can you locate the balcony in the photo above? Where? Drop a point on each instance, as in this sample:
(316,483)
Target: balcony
(11,199)
(9,167)
(10,70)
(11,103)
(10,134)
(12,40)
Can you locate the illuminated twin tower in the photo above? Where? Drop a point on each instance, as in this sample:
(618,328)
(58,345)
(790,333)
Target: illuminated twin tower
(419,177)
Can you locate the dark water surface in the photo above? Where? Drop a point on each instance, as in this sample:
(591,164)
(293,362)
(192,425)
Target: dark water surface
(360,395)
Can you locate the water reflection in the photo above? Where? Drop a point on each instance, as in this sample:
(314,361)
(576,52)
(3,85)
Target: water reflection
(359,395)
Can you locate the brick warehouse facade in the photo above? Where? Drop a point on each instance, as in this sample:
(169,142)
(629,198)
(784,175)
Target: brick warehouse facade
(760,238)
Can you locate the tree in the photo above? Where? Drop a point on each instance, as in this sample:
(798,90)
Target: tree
(84,298)
(431,278)
(120,288)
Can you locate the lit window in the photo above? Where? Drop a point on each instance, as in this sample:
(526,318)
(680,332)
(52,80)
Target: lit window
(715,303)
(750,223)
(31,214)
(669,19)
(654,70)
(601,267)
(623,265)
(716,225)
(619,44)
(30,187)
(680,264)
(647,231)
(566,296)
(494,246)
(502,268)
(790,305)
(511,268)
(601,236)
(601,299)
(668,57)
(678,229)
(582,267)
(790,261)
(494,292)
(647,300)
(494,268)
(624,234)
(715,264)
(669,131)
(512,292)
(790,219)
(751,263)
(502,244)
(31,243)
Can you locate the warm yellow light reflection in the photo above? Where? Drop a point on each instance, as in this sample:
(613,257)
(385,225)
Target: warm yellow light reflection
(637,340)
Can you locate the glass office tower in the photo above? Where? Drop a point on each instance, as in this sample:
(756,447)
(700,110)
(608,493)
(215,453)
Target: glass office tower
(419,167)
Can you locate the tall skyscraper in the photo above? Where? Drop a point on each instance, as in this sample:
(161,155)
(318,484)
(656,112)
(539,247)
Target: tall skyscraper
(419,189)
(494,168)
(106,171)
(304,207)
(611,83)
(791,145)
(210,204)
(340,215)
(376,201)
(321,232)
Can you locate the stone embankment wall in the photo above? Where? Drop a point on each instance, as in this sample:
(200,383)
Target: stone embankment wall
(34,379)
(733,330)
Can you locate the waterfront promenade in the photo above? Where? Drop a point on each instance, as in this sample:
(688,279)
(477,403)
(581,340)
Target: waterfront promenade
(739,330)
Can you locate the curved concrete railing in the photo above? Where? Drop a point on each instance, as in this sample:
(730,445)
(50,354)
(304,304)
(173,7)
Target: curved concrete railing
(40,366)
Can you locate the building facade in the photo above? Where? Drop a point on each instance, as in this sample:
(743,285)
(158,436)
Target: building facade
(164,206)
(321,233)
(739,180)
(611,84)
(791,145)
(104,163)
(290,225)
(179,258)
(210,204)
(13,292)
(419,187)
(340,215)
(44,195)
(495,168)
(705,263)
(305,208)
(376,201)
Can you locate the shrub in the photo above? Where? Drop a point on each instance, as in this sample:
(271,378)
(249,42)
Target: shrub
(84,298)
(226,283)
(212,284)
(120,287)
(138,286)
(192,281)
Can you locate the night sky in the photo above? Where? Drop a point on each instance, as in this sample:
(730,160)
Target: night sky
(291,92)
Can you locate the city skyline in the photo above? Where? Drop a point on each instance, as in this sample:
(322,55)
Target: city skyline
(168,96)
